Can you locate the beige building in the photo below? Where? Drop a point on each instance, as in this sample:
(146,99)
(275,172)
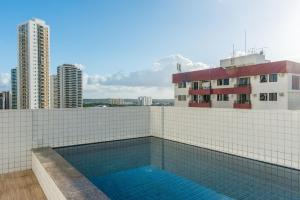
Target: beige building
(67,84)
(33,56)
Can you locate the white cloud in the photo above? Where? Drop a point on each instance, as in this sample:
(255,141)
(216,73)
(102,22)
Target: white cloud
(155,82)
(4,81)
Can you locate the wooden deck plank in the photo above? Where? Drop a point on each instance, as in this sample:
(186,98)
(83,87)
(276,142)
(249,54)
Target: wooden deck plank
(21,185)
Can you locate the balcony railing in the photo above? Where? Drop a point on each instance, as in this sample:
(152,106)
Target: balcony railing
(201,104)
(242,104)
(200,91)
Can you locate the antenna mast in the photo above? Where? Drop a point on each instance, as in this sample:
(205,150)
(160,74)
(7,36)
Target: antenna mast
(245,42)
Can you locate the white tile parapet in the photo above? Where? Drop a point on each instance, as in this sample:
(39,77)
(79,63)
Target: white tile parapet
(271,136)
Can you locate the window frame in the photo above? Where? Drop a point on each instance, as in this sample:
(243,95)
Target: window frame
(227,97)
(226,81)
(271,95)
(271,78)
(219,82)
(265,95)
(263,75)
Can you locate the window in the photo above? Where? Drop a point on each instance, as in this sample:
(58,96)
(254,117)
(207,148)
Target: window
(219,97)
(195,85)
(226,81)
(182,85)
(222,97)
(244,81)
(295,83)
(272,96)
(263,78)
(181,98)
(263,96)
(219,82)
(225,97)
(273,77)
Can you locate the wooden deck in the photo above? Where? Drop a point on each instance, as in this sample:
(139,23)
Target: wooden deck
(20,186)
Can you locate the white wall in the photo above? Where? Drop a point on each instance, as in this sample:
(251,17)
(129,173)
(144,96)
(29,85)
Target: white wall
(182,91)
(281,86)
(266,135)
(22,130)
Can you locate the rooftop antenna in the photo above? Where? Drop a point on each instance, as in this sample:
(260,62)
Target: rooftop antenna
(245,42)
(233,51)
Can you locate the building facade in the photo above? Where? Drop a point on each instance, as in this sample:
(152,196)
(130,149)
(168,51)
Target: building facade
(116,102)
(53,92)
(5,100)
(258,84)
(14,88)
(33,64)
(144,101)
(69,87)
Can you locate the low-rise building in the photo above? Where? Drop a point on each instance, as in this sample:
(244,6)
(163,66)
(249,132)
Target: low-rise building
(116,102)
(144,101)
(248,82)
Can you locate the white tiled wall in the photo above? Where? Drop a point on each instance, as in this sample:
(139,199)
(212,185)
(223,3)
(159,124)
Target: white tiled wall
(20,131)
(270,136)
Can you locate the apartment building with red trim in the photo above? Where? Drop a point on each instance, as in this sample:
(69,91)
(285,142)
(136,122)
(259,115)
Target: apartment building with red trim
(245,82)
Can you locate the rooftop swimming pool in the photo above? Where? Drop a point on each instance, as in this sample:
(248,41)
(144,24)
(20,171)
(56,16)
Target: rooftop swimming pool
(154,168)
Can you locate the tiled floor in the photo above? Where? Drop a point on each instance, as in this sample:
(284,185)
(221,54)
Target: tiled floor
(20,186)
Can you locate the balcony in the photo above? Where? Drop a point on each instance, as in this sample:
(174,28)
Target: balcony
(202,104)
(242,104)
(200,91)
(237,89)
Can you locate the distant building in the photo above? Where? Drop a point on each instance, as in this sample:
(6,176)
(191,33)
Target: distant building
(116,102)
(5,100)
(33,66)
(145,101)
(69,87)
(53,92)
(14,88)
(248,82)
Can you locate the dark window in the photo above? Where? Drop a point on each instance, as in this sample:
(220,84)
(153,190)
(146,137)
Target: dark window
(226,81)
(263,78)
(272,96)
(243,81)
(219,97)
(273,77)
(181,98)
(219,82)
(295,83)
(225,97)
(195,98)
(263,96)
(195,85)
(182,85)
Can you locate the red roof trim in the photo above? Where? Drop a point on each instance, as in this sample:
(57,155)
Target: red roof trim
(250,70)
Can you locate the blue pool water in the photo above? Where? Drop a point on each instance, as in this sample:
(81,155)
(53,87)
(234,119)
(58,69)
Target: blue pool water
(153,168)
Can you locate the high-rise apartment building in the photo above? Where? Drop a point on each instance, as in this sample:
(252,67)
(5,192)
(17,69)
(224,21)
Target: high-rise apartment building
(69,86)
(53,91)
(145,101)
(5,100)
(14,88)
(33,66)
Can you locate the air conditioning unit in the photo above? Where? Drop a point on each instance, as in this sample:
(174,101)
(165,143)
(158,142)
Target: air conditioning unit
(281,75)
(281,94)
(254,95)
(255,77)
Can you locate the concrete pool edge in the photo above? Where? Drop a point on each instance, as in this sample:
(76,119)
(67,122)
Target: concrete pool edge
(59,179)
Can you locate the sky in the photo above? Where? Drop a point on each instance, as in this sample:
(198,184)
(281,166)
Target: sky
(129,48)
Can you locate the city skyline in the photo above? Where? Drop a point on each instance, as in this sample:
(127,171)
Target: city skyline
(99,37)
